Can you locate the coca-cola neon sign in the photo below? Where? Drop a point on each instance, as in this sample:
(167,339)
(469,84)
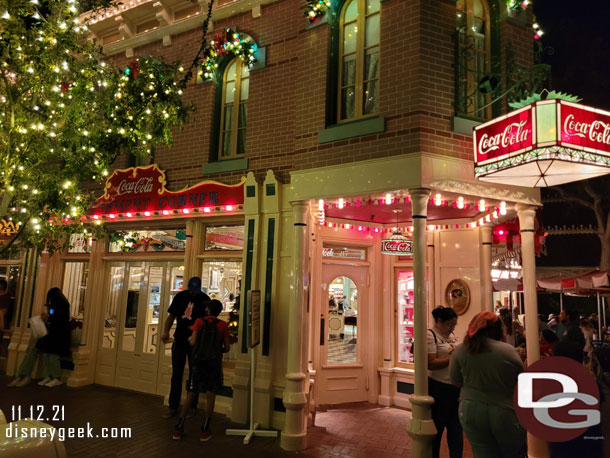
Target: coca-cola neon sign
(546,143)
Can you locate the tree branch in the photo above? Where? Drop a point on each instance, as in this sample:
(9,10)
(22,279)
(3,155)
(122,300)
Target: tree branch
(564,195)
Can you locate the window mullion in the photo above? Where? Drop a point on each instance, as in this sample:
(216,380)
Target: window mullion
(359,86)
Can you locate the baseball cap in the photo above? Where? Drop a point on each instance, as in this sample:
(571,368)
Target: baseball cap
(195,284)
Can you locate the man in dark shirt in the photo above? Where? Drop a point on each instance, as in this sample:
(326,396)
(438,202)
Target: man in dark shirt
(569,329)
(186,307)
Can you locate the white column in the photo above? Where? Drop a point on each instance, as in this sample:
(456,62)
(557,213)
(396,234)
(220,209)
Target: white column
(294,434)
(537,448)
(421,427)
(485,261)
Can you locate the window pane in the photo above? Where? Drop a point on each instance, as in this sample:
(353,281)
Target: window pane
(350,38)
(243,113)
(112,306)
(241,141)
(351,11)
(342,321)
(221,280)
(372,6)
(228,117)
(372,30)
(370,99)
(231,72)
(224,238)
(226,144)
(347,102)
(229,92)
(245,87)
(151,330)
(349,70)
(371,64)
(75,287)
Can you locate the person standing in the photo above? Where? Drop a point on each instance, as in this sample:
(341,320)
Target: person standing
(50,347)
(186,307)
(441,343)
(210,339)
(486,369)
(568,328)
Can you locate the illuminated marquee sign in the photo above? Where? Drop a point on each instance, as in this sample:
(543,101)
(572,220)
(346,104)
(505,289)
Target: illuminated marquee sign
(547,143)
(140,191)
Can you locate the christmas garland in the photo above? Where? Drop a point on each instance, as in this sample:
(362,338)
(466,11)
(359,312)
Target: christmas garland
(227,43)
(316,8)
(517,5)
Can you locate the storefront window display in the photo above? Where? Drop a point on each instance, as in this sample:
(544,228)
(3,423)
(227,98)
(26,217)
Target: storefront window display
(222,280)
(404,319)
(224,238)
(342,321)
(148,241)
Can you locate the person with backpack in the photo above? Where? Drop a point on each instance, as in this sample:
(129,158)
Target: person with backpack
(209,340)
(185,308)
(441,343)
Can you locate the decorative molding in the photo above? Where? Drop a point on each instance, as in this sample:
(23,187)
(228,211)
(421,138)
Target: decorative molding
(172,19)
(571,230)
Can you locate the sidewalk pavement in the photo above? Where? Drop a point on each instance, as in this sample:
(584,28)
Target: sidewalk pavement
(358,430)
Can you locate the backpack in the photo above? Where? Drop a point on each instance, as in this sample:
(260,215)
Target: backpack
(208,346)
(413,344)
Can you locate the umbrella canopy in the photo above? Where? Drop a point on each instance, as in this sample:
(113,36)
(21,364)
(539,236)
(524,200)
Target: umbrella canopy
(589,283)
(509,284)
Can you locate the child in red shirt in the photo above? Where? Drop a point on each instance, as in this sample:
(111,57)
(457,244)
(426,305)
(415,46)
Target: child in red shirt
(206,375)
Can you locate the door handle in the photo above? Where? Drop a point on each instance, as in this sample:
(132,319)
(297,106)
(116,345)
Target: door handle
(321,331)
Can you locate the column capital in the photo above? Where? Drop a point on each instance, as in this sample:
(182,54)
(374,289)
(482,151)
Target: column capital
(526,214)
(299,211)
(419,201)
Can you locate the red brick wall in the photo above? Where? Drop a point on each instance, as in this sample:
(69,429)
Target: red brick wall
(286,106)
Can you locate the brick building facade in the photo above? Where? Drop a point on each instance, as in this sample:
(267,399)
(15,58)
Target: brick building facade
(319,197)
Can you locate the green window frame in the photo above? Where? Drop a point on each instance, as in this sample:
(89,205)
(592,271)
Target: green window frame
(477,42)
(233,110)
(358,60)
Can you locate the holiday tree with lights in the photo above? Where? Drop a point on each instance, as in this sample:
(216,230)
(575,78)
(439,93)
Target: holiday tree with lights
(66,113)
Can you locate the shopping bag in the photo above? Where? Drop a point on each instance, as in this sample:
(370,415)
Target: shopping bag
(39,329)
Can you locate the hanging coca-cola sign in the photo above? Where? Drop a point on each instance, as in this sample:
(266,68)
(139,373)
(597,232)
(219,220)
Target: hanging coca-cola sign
(397,247)
(509,134)
(546,143)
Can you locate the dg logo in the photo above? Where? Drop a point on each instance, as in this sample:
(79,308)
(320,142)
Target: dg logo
(557,399)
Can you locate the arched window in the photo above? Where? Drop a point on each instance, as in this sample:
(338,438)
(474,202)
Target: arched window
(232,141)
(473,58)
(359,59)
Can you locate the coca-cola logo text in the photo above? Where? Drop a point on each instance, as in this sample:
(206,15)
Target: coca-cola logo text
(514,133)
(141,186)
(596,131)
(396,246)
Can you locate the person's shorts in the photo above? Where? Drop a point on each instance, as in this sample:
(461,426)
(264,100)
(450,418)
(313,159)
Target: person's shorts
(207,377)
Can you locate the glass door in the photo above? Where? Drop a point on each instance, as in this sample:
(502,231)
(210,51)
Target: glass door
(404,318)
(174,281)
(342,359)
(107,349)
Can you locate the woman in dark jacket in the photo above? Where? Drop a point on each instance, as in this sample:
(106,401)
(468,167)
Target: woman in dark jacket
(52,346)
